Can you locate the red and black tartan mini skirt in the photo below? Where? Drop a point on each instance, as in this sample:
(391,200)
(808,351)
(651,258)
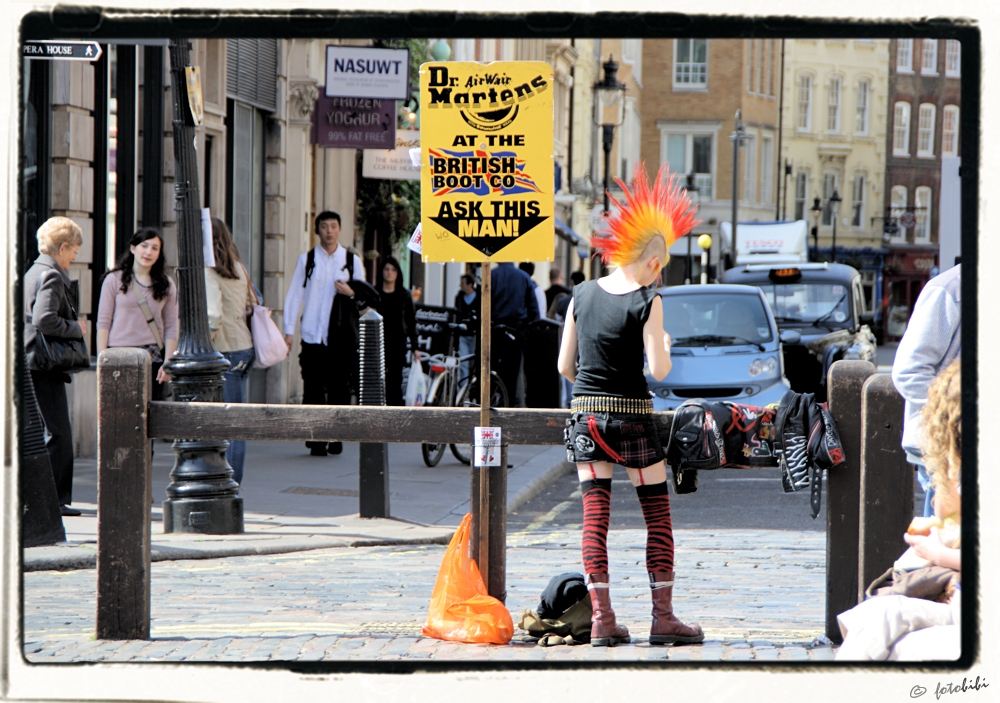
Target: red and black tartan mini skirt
(627,438)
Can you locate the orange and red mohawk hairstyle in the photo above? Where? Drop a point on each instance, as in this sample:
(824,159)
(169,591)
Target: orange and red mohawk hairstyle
(661,209)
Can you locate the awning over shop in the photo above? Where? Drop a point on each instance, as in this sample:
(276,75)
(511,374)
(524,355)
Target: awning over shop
(564,231)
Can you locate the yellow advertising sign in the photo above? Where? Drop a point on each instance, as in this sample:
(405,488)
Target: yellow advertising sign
(487,173)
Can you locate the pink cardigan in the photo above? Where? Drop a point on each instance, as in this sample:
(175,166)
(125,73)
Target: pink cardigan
(121,315)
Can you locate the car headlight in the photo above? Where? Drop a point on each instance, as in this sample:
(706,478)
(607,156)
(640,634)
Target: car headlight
(759,366)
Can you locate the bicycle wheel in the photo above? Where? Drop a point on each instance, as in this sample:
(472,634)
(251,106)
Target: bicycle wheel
(432,453)
(468,397)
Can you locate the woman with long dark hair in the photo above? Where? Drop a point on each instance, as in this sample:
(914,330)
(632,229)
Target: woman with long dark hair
(399,326)
(230,296)
(48,310)
(138,306)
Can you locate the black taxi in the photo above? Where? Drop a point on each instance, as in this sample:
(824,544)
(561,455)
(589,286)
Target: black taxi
(825,305)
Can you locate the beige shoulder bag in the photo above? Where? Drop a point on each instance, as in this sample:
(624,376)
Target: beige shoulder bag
(144,306)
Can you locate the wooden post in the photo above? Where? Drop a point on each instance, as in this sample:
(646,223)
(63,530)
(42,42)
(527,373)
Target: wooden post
(481,518)
(124,494)
(886,505)
(496,478)
(845,381)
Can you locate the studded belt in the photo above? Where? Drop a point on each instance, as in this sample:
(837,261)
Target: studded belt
(611,404)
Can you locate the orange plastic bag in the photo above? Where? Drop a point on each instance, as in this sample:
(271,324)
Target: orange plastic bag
(461,610)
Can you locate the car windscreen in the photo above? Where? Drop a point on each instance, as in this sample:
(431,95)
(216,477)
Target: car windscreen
(715,320)
(808,302)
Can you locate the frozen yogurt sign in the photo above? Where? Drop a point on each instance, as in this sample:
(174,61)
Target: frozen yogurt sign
(486,172)
(364,72)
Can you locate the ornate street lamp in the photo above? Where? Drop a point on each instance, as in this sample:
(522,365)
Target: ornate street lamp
(834,203)
(738,137)
(817,210)
(202,495)
(609,112)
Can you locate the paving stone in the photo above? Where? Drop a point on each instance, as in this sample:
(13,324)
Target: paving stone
(794,653)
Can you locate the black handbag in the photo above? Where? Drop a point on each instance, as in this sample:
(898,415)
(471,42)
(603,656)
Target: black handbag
(60,354)
(63,354)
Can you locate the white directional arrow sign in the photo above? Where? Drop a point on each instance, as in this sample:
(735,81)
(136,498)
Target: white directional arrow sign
(62,50)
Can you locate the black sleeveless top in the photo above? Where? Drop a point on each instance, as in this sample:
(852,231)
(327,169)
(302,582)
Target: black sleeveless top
(609,330)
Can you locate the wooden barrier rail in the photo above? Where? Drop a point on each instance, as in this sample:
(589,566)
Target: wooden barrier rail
(867,510)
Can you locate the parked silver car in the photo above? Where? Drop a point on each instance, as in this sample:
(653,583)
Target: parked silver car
(725,345)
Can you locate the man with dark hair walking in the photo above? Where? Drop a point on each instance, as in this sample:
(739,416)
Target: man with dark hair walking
(513,305)
(319,290)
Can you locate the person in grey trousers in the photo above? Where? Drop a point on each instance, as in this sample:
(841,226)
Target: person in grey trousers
(49,310)
(933,339)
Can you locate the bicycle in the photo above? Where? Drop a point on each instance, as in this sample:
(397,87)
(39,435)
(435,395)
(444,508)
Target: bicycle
(445,393)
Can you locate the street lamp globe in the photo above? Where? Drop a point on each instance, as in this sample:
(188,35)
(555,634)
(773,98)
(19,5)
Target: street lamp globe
(441,51)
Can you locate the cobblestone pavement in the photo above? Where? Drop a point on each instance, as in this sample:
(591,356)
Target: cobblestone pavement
(759,594)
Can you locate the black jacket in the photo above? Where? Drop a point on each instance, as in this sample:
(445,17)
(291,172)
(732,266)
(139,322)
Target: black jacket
(47,306)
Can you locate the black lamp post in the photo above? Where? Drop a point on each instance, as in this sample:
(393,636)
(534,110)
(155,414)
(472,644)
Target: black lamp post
(738,137)
(609,112)
(202,495)
(817,210)
(690,187)
(834,208)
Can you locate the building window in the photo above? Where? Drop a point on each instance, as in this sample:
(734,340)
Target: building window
(953,58)
(833,106)
(901,130)
(766,168)
(801,194)
(904,56)
(632,54)
(768,68)
(925,131)
(897,203)
(922,230)
(829,186)
(691,63)
(861,119)
(805,103)
(928,57)
(858,201)
(949,131)
(688,152)
(753,65)
(750,168)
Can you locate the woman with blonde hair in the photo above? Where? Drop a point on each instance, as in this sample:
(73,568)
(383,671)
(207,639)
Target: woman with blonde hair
(230,296)
(48,310)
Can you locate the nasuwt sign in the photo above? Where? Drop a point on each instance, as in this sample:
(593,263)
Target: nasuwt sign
(354,123)
(486,161)
(365,72)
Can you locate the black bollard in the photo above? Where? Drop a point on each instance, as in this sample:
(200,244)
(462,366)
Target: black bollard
(41,522)
(373,469)
(202,496)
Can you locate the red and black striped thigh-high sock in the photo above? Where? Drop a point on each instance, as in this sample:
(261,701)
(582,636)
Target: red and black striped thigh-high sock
(596,517)
(655,503)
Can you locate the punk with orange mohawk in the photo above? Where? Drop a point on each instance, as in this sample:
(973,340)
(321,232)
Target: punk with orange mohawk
(610,324)
(662,209)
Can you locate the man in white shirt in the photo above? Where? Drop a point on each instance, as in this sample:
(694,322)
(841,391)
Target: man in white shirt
(319,290)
